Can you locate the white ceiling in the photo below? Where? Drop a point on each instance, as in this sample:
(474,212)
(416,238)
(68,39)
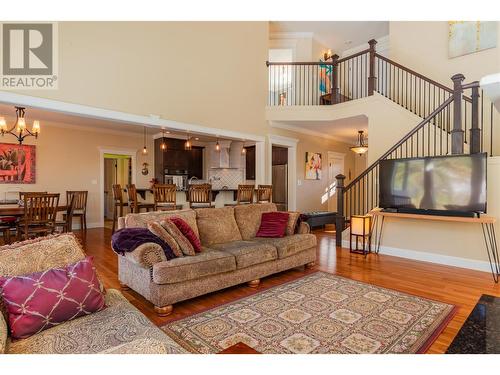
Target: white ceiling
(336,35)
(345,130)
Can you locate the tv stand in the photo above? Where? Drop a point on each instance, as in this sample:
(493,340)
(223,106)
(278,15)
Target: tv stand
(487,225)
(403,210)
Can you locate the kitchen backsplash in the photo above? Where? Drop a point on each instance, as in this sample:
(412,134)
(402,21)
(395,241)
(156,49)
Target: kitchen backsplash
(229,178)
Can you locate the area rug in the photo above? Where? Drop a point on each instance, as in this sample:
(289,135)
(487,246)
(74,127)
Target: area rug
(318,313)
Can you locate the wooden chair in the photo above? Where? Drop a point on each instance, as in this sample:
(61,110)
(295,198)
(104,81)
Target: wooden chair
(22,193)
(200,195)
(7,224)
(264,193)
(245,194)
(165,197)
(39,218)
(118,203)
(66,225)
(133,201)
(80,206)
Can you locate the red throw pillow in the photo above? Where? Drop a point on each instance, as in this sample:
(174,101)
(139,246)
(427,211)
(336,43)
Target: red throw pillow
(44,299)
(188,232)
(273,224)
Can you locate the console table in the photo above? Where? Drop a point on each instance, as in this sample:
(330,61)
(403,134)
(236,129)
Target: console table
(487,225)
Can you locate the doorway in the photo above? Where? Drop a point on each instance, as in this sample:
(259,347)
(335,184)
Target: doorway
(335,167)
(280,177)
(117,170)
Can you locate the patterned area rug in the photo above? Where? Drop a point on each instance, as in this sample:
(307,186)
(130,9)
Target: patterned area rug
(319,313)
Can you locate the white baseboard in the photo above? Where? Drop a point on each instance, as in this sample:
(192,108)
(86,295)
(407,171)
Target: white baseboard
(478,265)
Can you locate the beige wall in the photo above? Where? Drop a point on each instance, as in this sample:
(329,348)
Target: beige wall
(423,46)
(67,158)
(309,193)
(204,73)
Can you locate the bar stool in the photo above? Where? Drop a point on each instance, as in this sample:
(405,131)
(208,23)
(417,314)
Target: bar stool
(117,203)
(264,193)
(165,197)
(133,201)
(200,195)
(244,195)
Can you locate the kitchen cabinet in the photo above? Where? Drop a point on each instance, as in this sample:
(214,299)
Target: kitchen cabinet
(175,157)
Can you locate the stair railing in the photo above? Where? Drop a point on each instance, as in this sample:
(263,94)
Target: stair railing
(361,195)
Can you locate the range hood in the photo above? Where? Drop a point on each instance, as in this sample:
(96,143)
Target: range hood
(229,156)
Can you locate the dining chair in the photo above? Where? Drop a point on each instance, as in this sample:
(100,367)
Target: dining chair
(79,206)
(200,195)
(165,197)
(264,193)
(7,224)
(22,193)
(39,218)
(66,224)
(118,203)
(133,201)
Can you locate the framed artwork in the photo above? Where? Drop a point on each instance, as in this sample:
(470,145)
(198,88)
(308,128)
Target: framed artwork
(466,37)
(17,164)
(313,166)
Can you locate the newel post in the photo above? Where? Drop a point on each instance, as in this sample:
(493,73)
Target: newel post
(335,79)
(340,219)
(475,132)
(372,79)
(457,133)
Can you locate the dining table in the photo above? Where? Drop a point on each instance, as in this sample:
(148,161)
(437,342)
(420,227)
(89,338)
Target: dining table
(18,210)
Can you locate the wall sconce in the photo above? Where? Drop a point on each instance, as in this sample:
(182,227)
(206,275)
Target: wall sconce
(361,227)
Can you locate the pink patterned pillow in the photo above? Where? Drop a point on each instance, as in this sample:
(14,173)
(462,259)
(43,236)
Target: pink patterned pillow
(188,232)
(273,224)
(44,299)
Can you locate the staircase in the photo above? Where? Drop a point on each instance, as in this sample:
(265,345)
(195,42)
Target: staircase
(451,122)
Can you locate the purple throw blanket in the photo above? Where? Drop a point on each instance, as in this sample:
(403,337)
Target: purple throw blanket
(128,239)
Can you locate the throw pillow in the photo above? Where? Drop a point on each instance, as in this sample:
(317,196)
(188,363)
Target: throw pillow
(184,244)
(155,228)
(188,232)
(273,224)
(44,299)
(293,218)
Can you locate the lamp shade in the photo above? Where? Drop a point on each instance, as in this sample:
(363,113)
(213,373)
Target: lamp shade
(360,225)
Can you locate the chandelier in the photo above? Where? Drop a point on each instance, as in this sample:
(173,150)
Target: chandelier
(361,147)
(19,129)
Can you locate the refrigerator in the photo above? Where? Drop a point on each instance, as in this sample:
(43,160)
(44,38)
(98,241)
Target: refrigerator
(280,186)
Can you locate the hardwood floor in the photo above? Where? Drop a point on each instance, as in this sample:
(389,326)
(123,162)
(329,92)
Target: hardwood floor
(453,285)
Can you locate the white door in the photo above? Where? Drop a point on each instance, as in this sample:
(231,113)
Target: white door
(335,167)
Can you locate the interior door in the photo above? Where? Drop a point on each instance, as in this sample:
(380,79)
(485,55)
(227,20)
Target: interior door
(335,167)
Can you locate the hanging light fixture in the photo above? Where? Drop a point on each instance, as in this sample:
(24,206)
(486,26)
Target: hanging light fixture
(145,149)
(19,129)
(187,145)
(243,149)
(163,145)
(217,146)
(361,147)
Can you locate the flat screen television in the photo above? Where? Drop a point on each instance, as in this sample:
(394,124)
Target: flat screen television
(448,185)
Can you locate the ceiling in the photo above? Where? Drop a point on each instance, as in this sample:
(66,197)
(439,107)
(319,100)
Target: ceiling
(336,35)
(345,130)
(66,120)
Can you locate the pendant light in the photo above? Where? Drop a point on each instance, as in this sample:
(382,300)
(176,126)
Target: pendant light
(361,147)
(187,145)
(145,149)
(163,145)
(243,149)
(217,146)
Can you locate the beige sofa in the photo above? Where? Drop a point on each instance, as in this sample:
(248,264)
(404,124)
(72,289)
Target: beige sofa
(119,328)
(231,254)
